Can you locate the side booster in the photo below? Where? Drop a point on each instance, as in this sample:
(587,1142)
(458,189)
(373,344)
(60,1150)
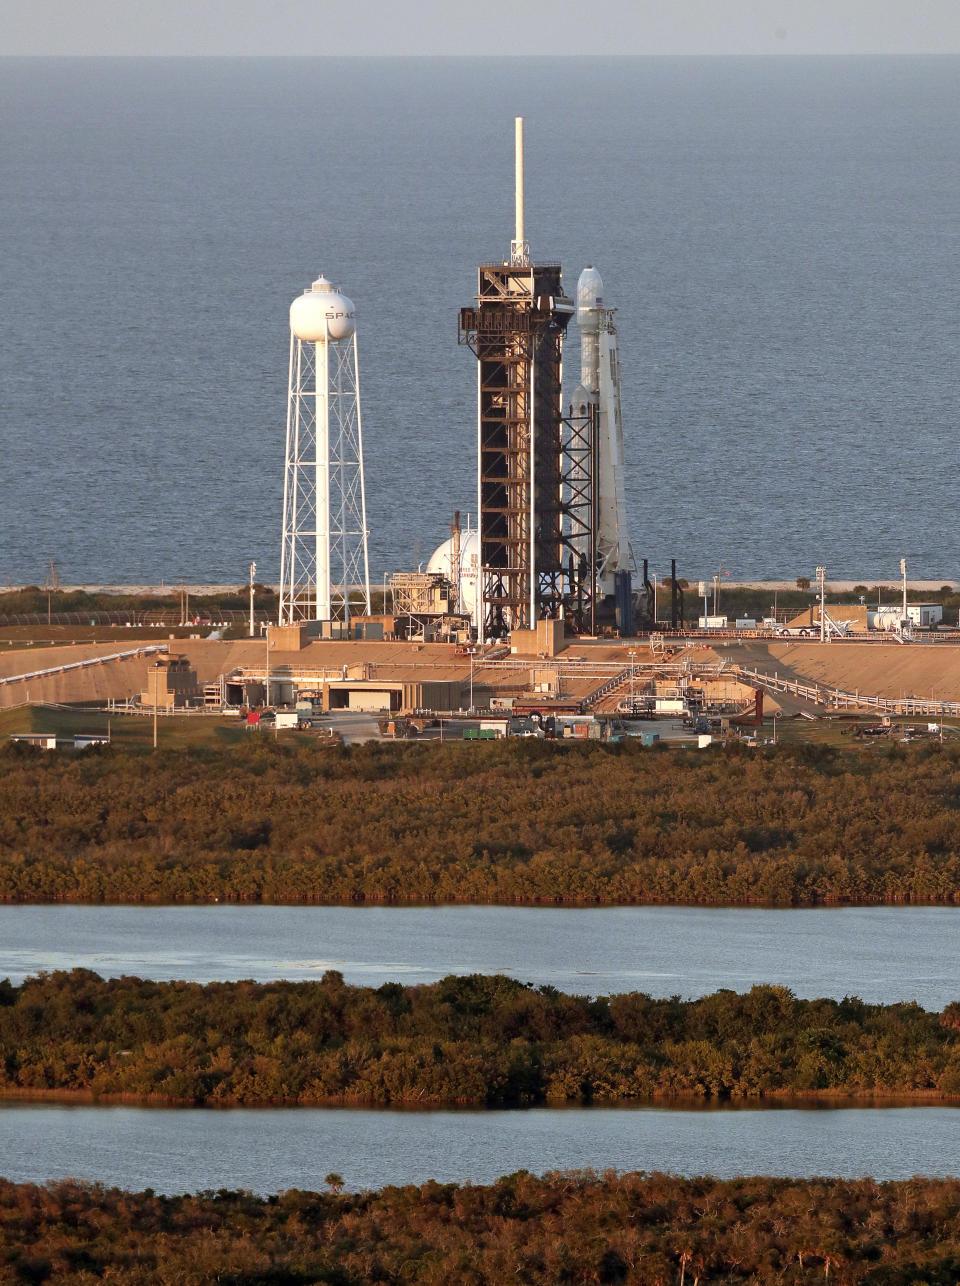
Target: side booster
(598,394)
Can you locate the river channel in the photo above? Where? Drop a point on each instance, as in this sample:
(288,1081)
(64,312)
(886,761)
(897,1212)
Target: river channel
(882,954)
(265,1150)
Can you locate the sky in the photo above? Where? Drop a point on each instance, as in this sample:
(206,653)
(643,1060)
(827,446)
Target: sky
(488,27)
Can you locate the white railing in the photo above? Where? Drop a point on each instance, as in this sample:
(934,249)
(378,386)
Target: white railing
(84,665)
(615,681)
(838,699)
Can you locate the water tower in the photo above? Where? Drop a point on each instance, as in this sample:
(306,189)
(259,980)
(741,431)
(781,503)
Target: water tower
(324,559)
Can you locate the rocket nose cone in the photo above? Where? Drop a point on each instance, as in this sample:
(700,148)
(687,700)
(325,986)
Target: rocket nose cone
(589,296)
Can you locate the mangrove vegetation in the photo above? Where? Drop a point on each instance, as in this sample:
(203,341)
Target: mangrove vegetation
(469,1039)
(566,1227)
(495,822)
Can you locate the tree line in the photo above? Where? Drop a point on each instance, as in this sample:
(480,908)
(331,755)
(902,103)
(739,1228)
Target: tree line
(496,822)
(469,1039)
(567,1227)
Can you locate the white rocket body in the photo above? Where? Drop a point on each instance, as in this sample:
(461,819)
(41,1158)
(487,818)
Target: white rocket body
(600,386)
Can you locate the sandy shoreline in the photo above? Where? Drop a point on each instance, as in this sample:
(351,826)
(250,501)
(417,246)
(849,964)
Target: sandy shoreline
(164,590)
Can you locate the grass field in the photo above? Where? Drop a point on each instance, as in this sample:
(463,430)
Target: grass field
(136,731)
(131,730)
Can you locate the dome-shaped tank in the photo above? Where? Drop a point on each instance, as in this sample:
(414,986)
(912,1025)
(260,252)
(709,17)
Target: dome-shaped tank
(589,298)
(442,560)
(322,311)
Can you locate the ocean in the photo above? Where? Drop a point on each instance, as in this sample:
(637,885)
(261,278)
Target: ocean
(780,237)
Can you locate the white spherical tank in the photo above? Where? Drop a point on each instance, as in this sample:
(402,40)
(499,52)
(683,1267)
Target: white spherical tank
(442,560)
(589,298)
(321,313)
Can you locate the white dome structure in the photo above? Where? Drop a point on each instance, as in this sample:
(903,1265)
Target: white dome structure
(321,313)
(443,561)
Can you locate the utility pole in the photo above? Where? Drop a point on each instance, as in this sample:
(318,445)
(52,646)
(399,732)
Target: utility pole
(51,585)
(253,572)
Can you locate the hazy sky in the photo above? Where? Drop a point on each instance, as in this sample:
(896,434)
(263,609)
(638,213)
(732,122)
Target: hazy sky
(524,27)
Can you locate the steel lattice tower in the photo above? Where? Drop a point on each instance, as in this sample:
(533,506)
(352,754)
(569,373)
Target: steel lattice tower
(516,331)
(324,566)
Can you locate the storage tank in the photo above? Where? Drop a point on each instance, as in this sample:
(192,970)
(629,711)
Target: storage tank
(321,313)
(464,576)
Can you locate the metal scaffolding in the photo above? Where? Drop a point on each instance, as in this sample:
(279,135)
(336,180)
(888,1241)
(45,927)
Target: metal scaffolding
(516,332)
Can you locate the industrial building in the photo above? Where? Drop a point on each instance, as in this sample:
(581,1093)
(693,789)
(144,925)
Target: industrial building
(171,683)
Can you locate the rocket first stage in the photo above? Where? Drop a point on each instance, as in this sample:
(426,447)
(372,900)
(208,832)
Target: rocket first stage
(596,400)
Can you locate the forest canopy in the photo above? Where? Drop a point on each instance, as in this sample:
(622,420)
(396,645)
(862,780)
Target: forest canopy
(497,822)
(566,1227)
(472,1039)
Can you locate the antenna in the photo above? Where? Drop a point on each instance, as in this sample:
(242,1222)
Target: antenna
(519,249)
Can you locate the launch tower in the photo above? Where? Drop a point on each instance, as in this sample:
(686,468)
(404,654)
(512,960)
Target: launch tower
(324,558)
(516,330)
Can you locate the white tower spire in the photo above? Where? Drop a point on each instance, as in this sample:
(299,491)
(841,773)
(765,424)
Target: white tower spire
(519,246)
(324,557)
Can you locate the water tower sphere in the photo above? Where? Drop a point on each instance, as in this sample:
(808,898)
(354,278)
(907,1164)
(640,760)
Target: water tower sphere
(322,312)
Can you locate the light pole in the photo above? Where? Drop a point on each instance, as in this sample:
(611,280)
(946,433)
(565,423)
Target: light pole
(253,572)
(471,683)
(821,577)
(156,680)
(716,590)
(654,600)
(903,573)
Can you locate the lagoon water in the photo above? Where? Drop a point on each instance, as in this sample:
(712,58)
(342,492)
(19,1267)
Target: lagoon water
(882,954)
(779,236)
(265,1150)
